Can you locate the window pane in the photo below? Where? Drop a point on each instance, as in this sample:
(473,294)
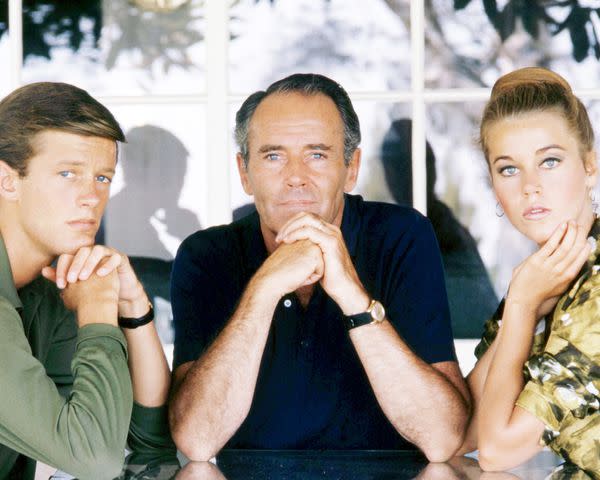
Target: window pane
(4,50)
(157,192)
(361,48)
(464,50)
(115,47)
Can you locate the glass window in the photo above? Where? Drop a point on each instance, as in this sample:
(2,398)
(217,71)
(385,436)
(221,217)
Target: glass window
(463,49)
(4,49)
(157,194)
(115,47)
(361,48)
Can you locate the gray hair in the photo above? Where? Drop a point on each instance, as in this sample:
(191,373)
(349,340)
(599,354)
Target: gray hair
(307,84)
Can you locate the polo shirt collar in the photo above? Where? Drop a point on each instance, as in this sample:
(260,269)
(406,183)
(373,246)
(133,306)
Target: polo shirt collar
(7,285)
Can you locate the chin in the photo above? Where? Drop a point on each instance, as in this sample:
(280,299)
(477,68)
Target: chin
(541,234)
(71,247)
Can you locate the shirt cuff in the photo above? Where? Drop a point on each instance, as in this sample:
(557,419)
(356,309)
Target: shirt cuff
(101,330)
(535,401)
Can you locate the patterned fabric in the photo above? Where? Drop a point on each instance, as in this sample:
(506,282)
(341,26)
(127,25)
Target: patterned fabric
(563,372)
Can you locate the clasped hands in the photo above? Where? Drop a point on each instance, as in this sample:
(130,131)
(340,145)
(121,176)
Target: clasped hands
(312,250)
(98,274)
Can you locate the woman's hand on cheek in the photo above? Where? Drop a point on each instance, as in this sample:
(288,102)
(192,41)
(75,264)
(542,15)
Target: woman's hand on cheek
(539,281)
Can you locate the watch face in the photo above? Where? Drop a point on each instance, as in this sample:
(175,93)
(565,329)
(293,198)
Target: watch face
(378,312)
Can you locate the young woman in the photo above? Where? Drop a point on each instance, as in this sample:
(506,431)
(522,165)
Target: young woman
(539,146)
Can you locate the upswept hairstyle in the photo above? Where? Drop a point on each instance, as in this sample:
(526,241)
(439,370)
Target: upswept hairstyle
(42,106)
(534,89)
(306,84)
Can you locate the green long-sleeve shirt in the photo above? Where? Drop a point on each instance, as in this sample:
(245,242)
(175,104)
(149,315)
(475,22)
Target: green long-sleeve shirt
(65,393)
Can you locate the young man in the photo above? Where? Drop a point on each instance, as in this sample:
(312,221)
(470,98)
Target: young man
(282,336)
(67,380)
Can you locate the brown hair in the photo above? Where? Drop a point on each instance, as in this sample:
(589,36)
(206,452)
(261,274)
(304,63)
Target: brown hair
(37,107)
(534,89)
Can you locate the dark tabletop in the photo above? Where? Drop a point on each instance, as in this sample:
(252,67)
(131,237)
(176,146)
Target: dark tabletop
(337,465)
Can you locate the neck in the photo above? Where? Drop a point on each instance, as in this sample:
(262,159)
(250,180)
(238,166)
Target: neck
(26,259)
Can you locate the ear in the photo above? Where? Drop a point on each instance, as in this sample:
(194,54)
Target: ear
(243,171)
(591,169)
(352,173)
(9,179)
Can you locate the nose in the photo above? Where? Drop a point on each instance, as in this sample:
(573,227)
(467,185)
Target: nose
(531,184)
(89,195)
(295,172)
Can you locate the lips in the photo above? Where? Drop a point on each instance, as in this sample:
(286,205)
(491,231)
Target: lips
(83,224)
(536,213)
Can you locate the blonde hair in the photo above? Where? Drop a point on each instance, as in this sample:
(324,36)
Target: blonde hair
(534,89)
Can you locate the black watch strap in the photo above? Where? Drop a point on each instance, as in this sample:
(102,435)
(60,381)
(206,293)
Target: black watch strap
(129,322)
(358,320)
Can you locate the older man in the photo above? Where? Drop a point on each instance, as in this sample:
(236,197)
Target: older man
(321,321)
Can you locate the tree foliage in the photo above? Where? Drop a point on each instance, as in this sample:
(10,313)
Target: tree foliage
(549,14)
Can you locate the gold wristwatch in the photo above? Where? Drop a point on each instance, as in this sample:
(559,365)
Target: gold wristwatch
(375,313)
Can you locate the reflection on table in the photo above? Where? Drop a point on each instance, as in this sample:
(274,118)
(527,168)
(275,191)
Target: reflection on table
(308,465)
(325,465)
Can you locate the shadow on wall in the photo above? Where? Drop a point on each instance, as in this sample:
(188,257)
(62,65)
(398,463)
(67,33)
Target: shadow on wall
(144,219)
(470,294)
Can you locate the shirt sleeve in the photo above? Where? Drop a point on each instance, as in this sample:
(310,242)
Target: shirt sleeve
(490,331)
(564,379)
(204,294)
(416,301)
(84,433)
(149,431)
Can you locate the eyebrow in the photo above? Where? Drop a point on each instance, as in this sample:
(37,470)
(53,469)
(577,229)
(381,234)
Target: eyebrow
(318,146)
(549,147)
(502,157)
(538,151)
(269,148)
(76,163)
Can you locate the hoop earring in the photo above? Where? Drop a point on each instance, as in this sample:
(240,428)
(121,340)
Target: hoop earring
(499,210)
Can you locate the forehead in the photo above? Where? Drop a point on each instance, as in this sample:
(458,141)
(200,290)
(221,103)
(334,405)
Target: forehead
(285,118)
(531,130)
(56,146)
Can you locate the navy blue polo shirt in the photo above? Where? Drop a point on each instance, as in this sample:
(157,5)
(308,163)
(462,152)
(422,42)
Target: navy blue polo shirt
(312,391)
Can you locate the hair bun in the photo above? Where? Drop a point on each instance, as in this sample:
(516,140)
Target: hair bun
(529,76)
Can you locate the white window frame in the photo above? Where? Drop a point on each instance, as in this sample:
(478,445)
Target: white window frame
(216,207)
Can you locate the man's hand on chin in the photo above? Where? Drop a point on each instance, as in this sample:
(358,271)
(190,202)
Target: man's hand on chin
(339,279)
(290,267)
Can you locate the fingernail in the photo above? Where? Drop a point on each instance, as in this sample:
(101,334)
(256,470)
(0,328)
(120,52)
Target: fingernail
(71,277)
(101,271)
(60,283)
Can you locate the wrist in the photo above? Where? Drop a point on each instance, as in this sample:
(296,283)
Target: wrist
(521,305)
(136,304)
(263,290)
(354,303)
(101,311)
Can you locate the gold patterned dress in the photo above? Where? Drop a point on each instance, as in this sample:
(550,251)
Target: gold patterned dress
(562,375)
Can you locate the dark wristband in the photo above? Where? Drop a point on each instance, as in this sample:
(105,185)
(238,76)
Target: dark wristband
(128,322)
(358,320)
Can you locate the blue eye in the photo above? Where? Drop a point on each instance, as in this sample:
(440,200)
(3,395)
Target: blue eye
(104,179)
(272,156)
(550,162)
(508,171)
(66,174)
(317,156)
